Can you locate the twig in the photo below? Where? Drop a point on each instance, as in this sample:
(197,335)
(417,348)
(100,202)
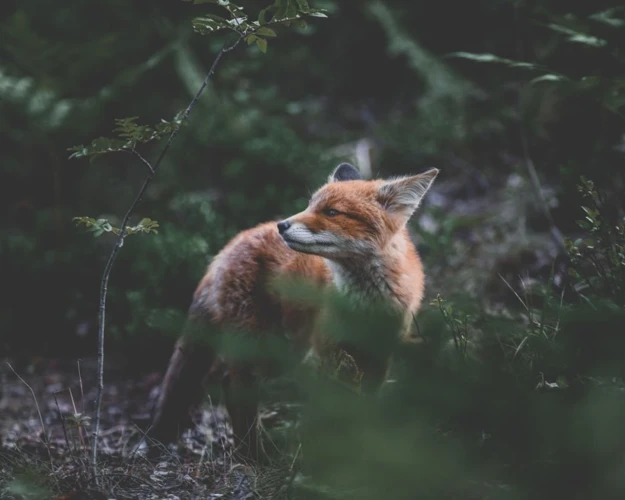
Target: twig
(43,427)
(514,292)
(62,418)
(557,328)
(78,423)
(133,477)
(71,397)
(293,473)
(82,392)
(143,160)
(243,491)
(119,243)
(145,439)
(83,436)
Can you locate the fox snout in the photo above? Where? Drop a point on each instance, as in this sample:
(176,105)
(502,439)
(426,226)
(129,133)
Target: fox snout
(283,226)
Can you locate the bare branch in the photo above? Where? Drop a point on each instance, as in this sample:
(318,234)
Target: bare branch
(152,169)
(119,243)
(143,160)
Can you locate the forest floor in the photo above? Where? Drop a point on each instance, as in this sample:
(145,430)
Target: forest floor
(201,465)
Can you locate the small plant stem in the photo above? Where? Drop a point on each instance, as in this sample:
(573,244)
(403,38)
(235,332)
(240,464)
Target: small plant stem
(43,427)
(119,243)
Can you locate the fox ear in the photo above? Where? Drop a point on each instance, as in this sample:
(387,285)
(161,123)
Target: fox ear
(403,196)
(345,172)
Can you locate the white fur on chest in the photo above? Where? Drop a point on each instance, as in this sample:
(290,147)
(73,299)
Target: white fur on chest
(362,281)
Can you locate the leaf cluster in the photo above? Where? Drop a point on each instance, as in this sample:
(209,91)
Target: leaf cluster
(100,226)
(129,135)
(598,260)
(457,323)
(281,12)
(608,91)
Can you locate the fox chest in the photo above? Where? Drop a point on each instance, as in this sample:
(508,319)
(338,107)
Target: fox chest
(366,284)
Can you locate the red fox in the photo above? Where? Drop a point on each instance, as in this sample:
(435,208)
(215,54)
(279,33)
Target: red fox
(352,237)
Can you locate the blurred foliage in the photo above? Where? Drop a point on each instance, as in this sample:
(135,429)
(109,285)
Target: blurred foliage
(519,388)
(456,420)
(599,261)
(264,130)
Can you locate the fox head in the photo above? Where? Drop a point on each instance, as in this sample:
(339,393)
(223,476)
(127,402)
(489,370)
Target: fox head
(350,217)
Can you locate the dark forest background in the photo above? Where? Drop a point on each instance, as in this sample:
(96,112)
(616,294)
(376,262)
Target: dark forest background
(520,104)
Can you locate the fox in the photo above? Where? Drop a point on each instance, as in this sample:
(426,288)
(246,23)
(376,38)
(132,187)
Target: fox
(351,239)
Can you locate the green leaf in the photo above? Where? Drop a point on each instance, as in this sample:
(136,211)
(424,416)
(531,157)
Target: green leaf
(205,25)
(548,78)
(577,37)
(317,13)
(130,133)
(607,17)
(303,6)
(223,3)
(291,9)
(262,15)
(101,226)
(280,9)
(166,127)
(218,19)
(520,64)
(264,31)
(300,23)
(588,40)
(97,227)
(87,221)
(237,21)
(262,44)
(476,57)
(250,39)
(99,146)
(492,58)
(127,129)
(239,24)
(146,225)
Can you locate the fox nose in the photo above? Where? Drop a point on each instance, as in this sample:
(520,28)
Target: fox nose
(283,226)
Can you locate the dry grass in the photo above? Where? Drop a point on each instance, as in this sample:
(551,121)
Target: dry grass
(44,448)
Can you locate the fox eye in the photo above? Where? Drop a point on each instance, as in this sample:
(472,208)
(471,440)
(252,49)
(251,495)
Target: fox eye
(330,212)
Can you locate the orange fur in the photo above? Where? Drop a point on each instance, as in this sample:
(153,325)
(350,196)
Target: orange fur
(351,236)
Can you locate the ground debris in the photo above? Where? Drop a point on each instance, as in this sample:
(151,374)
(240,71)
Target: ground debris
(201,464)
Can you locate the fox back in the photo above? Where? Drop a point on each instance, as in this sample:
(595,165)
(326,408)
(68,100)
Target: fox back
(351,239)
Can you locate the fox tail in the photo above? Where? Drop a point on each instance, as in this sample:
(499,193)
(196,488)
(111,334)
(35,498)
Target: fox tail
(192,367)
